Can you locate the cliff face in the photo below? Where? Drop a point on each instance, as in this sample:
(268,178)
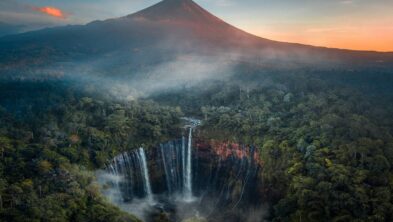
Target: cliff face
(229,168)
(226,150)
(225,179)
(216,167)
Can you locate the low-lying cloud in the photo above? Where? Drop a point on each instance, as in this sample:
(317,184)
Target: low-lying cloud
(51,11)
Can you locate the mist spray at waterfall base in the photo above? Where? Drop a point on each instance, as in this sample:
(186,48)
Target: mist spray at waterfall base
(183,179)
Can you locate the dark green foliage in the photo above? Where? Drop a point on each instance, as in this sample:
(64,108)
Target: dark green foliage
(48,153)
(326,147)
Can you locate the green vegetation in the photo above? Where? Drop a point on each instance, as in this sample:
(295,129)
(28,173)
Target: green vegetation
(327,147)
(49,148)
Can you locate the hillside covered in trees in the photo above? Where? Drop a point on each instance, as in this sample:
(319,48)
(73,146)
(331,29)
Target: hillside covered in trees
(326,147)
(99,122)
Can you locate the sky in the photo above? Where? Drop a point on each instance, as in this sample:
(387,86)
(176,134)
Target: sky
(349,24)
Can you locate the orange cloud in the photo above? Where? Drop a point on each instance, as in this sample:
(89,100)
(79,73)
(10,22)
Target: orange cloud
(52,11)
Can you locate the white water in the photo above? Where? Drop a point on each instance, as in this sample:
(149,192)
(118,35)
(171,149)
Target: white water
(145,172)
(188,171)
(183,160)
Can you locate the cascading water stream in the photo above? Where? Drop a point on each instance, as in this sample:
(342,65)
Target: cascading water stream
(145,173)
(130,176)
(177,158)
(188,171)
(167,178)
(183,159)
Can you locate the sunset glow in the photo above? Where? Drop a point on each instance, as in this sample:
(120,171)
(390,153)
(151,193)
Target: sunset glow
(374,38)
(354,24)
(52,11)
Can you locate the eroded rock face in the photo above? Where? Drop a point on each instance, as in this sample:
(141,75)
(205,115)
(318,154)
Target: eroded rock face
(228,172)
(225,181)
(226,150)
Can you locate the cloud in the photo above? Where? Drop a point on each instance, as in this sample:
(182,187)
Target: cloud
(32,17)
(52,11)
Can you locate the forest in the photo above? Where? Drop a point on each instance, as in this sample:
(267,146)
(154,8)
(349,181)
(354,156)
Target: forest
(326,147)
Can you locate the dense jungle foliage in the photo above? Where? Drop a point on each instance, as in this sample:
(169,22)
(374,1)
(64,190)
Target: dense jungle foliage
(51,139)
(326,147)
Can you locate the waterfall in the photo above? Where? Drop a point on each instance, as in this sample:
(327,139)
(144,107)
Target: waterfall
(171,159)
(211,179)
(130,176)
(116,194)
(145,173)
(176,159)
(188,179)
(188,171)
(167,178)
(183,160)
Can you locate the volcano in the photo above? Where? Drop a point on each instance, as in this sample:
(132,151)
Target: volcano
(158,34)
(188,16)
(177,10)
(180,24)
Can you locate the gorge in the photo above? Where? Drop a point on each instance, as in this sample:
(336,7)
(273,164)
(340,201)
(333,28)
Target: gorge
(185,178)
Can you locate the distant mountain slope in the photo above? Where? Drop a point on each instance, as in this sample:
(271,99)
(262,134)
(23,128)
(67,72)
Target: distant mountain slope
(9,29)
(156,34)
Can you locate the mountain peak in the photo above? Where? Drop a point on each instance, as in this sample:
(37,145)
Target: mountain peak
(177,0)
(176,10)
